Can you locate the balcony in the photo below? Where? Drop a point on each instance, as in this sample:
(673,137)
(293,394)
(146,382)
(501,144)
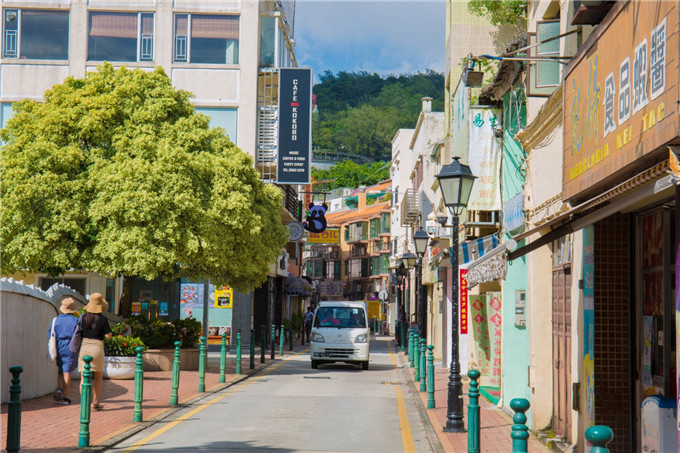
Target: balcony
(409,208)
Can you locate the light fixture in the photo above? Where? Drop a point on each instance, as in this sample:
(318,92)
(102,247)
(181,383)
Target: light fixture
(472,78)
(420,239)
(455,182)
(409,260)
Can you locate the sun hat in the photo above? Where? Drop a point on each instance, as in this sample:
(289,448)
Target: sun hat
(97,304)
(68,306)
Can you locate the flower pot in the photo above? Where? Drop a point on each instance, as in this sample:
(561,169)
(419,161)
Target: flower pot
(119,367)
(161,359)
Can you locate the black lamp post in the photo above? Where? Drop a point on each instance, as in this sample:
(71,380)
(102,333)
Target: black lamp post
(455,183)
(420,239)
(409,260)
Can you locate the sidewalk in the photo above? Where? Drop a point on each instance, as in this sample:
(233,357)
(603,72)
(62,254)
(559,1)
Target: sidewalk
(48,426)
(495,425)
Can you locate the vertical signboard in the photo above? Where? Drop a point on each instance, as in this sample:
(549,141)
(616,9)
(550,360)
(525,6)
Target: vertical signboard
(463,302)
(485,159)
(295,126)
(589,322)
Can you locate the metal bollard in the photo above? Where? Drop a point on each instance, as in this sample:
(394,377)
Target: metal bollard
(520,432)
(175,375)
(599,436)
(14,410)
(252,349)
(85,400)
(423,365)
(473,412)
(411,349)
(139,385)
(273,340)
(263,334)
(430,377)
(402,335)
(223,357)
(201,365)
(290,335)
(281,338)
(409,345)
(416,357)
(238,352)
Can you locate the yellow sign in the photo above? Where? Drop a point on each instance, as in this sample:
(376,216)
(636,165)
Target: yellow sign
(330,236)
(224,297)
(373,307)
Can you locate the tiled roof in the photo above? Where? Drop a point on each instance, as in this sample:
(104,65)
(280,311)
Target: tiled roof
(345,217)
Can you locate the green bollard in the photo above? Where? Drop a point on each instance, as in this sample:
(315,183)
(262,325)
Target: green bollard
(252,349)
(139,385)
(14,411)
(599,436)
(223,357)
(430,377)
(273,340)
(520,432)
(473,412)
(201,365)
(290,335)
(423,365)
(262,343)
(411,348)
(85,400)
(175,375)
(281,338)
(416,357)
(409,345)
(402,335)
(238,352)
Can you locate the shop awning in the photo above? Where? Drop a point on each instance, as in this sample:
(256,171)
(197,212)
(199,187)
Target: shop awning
(296,286)
(642,186)
(491,266)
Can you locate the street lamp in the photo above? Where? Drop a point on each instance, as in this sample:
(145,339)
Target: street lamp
(455,183)
(420,239)
(409,260)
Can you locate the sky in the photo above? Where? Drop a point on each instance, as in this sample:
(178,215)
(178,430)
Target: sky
(381,36)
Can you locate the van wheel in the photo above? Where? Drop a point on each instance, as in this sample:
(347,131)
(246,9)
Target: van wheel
(315,364)
(364,365)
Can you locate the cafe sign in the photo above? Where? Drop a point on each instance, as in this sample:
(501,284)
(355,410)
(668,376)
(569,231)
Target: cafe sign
(620,95)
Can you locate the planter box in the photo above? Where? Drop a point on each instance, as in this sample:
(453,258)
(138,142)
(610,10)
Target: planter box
(161,359)
(119,367)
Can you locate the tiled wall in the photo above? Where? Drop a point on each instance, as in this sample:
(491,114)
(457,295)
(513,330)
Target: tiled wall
(613,257)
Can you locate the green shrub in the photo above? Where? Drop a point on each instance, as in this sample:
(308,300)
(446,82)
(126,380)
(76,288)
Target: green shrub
(160,334)
(188,331)
(120,346)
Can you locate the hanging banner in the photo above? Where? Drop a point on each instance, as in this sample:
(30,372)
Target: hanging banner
(480,332)
(589,321)
(463,302)
(295,130)
(485,159)
(495,324)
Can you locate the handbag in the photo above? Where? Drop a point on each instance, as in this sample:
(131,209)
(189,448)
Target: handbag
(52,344)
(77,338)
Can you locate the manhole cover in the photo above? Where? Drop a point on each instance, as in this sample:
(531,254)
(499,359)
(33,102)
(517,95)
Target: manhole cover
(316,377)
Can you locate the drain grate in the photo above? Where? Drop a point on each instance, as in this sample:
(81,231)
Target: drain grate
(392,382)
(316,377)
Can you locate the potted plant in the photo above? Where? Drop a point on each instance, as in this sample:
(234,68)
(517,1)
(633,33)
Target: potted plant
(120,356)
(159,336)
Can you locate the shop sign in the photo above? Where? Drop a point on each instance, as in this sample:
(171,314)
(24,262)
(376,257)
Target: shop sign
(513,213)
(620,95)
(485,159)
(295,132)
(224,297)
(463,302)
(330,236)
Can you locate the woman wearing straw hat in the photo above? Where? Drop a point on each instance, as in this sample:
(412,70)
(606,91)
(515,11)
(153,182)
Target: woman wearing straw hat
(64,325)
(95,328)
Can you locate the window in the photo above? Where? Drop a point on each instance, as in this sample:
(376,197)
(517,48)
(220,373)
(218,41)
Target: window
(226,118)
(120,37)
(548,72)
(206,39)
(35,34)
(267,41)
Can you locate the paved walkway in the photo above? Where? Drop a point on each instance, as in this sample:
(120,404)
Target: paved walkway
(48,426)
(496,425)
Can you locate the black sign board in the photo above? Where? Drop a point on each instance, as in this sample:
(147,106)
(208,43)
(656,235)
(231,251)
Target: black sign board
(295,130)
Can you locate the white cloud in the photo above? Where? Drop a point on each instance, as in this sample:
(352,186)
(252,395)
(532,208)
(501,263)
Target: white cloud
(387,37)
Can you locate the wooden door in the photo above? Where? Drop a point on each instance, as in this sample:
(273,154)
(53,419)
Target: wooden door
(561,331)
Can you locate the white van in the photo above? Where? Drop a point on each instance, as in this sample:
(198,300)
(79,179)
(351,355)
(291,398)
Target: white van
(340,333)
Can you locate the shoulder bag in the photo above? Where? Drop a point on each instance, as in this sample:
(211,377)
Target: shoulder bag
(52,344)
(77,338)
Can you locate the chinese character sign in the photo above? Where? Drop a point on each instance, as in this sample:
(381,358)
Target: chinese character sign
(480,332)
(494,326)
(463,302)
(485,158)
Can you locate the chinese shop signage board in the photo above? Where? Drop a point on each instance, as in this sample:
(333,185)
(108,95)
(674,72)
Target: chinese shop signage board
(620,96)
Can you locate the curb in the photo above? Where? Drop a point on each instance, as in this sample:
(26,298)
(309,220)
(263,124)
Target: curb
(432,435)
(135,428)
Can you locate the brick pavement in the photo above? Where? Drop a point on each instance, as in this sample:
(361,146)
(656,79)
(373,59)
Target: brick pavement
(496,425)
(48,426)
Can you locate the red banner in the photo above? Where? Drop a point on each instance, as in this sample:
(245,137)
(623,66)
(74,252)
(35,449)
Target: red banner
(463,302)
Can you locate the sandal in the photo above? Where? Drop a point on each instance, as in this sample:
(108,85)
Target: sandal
(97,407)
(65,401)
(57,395)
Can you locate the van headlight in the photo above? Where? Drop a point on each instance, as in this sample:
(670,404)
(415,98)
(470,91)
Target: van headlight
(360,338)
(318,338)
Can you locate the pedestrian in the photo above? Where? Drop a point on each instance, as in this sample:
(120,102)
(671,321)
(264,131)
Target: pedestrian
(308,321)
(64,326)
(95,328)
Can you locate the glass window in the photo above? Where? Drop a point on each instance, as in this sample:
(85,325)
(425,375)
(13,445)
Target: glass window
(120,36)
(548,72)
(35,34)
(340,317)
(267,41)
(227,119)
(207,39)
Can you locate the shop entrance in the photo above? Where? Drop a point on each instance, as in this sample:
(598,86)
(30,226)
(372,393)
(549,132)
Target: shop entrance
(561,331)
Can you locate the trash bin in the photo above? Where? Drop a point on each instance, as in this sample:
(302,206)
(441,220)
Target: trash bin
(659,432)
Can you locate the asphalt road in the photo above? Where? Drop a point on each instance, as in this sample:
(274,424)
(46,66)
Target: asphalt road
(291,408)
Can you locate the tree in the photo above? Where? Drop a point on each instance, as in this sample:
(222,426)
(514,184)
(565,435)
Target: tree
(117,174)
(499,12)
(350,174)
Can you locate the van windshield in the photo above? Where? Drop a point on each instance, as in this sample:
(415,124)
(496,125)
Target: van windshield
(351,317)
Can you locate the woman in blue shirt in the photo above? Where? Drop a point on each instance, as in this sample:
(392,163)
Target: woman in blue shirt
(64,327)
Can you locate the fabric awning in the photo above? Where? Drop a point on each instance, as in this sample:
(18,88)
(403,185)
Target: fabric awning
(296,286)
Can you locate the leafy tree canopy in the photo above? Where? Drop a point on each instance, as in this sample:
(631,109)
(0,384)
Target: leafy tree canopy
(116,173)
(499,12)
(359,113)
(350,174)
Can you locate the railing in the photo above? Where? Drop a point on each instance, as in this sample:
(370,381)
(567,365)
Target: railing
(409,208)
